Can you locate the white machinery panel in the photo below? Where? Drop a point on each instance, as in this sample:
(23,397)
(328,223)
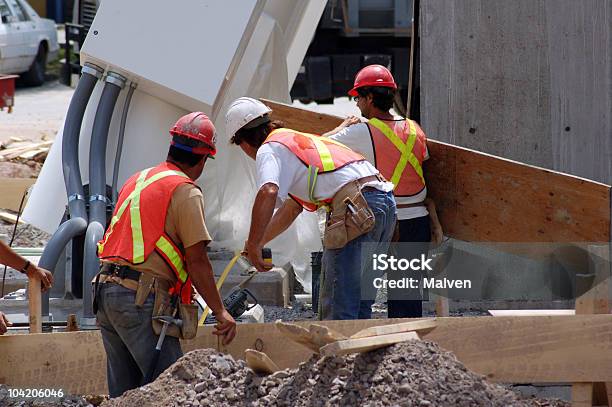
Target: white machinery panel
(182,57)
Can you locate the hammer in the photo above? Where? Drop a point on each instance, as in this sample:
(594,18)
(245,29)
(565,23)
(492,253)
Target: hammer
(166,321)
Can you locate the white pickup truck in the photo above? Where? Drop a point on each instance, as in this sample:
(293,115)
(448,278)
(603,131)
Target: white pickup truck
(27,41)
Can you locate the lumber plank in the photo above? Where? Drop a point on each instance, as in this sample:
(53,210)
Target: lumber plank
(9,217)
(367,344)
(420,325)
(35,305)
(322,335)
(529,312)
(297,334)
(11,191)
(479,197)
(259,362)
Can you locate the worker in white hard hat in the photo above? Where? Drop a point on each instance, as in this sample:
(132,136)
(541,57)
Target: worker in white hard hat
(306,171)
(12,259)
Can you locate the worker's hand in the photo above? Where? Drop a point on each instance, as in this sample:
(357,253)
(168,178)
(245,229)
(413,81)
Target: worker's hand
(349,121)
(226,327)
(4,323)
(45,276)
(255,258)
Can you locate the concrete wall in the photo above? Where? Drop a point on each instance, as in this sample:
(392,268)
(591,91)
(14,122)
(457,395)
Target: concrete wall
(529,80)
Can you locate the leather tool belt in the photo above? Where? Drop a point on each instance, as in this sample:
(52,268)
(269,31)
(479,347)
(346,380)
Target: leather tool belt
(350,215)
(122,272)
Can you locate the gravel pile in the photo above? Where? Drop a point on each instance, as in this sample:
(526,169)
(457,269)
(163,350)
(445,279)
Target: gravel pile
(416,373)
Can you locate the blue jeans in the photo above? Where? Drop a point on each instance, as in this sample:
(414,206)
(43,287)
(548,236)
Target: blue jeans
(129,340)
(341,295)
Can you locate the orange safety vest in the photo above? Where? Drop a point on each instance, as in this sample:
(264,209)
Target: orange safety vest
(319,154)
(400,150)
(137,226)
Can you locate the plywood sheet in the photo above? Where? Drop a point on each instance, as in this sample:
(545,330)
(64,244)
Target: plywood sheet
(485,198)
(12,190)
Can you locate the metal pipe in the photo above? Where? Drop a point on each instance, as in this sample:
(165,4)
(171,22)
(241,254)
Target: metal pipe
(72,175)
(126,108)
(97,187)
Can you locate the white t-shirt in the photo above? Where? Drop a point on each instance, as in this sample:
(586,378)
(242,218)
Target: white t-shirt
(276,164)
(358,138)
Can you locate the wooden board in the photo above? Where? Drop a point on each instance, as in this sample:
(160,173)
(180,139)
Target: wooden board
(260,362)
(557,349)
(529,312)
(12,190)
(485,198)
(420,325)
(359,345)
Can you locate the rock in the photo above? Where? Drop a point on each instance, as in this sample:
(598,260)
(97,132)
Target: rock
(200,387)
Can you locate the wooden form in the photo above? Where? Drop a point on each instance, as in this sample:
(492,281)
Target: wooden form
(479,196)
(595,286)
(557,349)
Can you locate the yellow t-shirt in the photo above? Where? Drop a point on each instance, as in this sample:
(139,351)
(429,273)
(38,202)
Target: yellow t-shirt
(185,225)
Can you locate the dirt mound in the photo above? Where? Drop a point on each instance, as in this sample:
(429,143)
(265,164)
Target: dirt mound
(408,374)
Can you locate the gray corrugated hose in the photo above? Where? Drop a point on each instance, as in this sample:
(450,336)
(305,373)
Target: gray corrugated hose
(97,187)
(77,224)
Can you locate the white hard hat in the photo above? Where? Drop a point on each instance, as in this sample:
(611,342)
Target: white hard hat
(243,111)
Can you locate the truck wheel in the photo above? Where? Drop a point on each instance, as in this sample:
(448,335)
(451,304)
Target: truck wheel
(36,75)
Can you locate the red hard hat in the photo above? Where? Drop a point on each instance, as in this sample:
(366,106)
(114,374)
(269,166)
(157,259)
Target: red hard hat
(196,126)
(373,75)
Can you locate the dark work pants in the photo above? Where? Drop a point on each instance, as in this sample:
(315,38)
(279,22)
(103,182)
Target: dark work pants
(129,340)
(415,230)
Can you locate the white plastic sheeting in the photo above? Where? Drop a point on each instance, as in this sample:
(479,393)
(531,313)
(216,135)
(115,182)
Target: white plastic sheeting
(274,45)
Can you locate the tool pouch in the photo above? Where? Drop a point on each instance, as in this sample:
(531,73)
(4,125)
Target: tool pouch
(188,313)
(350,217)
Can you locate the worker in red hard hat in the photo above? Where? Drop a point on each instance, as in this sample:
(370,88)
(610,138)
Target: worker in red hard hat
(152,253)
(397,147)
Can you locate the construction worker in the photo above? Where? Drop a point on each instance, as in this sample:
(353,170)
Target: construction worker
(397,147)
(314,171)
(152,252)
(10,258)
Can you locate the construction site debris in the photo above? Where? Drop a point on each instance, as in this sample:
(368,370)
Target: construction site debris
(26,236)
(415,373)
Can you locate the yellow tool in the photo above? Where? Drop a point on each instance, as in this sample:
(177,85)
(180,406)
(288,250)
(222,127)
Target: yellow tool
(245,264)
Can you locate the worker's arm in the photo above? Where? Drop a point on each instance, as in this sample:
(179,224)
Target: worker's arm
(346,123)
(201,273)
(4,323)
(263,208)
(282,219)
(12,259)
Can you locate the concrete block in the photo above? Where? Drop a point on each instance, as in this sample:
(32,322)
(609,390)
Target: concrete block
(270,288)
(253,316)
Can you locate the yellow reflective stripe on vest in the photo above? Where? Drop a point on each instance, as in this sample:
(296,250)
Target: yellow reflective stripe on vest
(175,258)
(407,155)
(324,153)
(137,236)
